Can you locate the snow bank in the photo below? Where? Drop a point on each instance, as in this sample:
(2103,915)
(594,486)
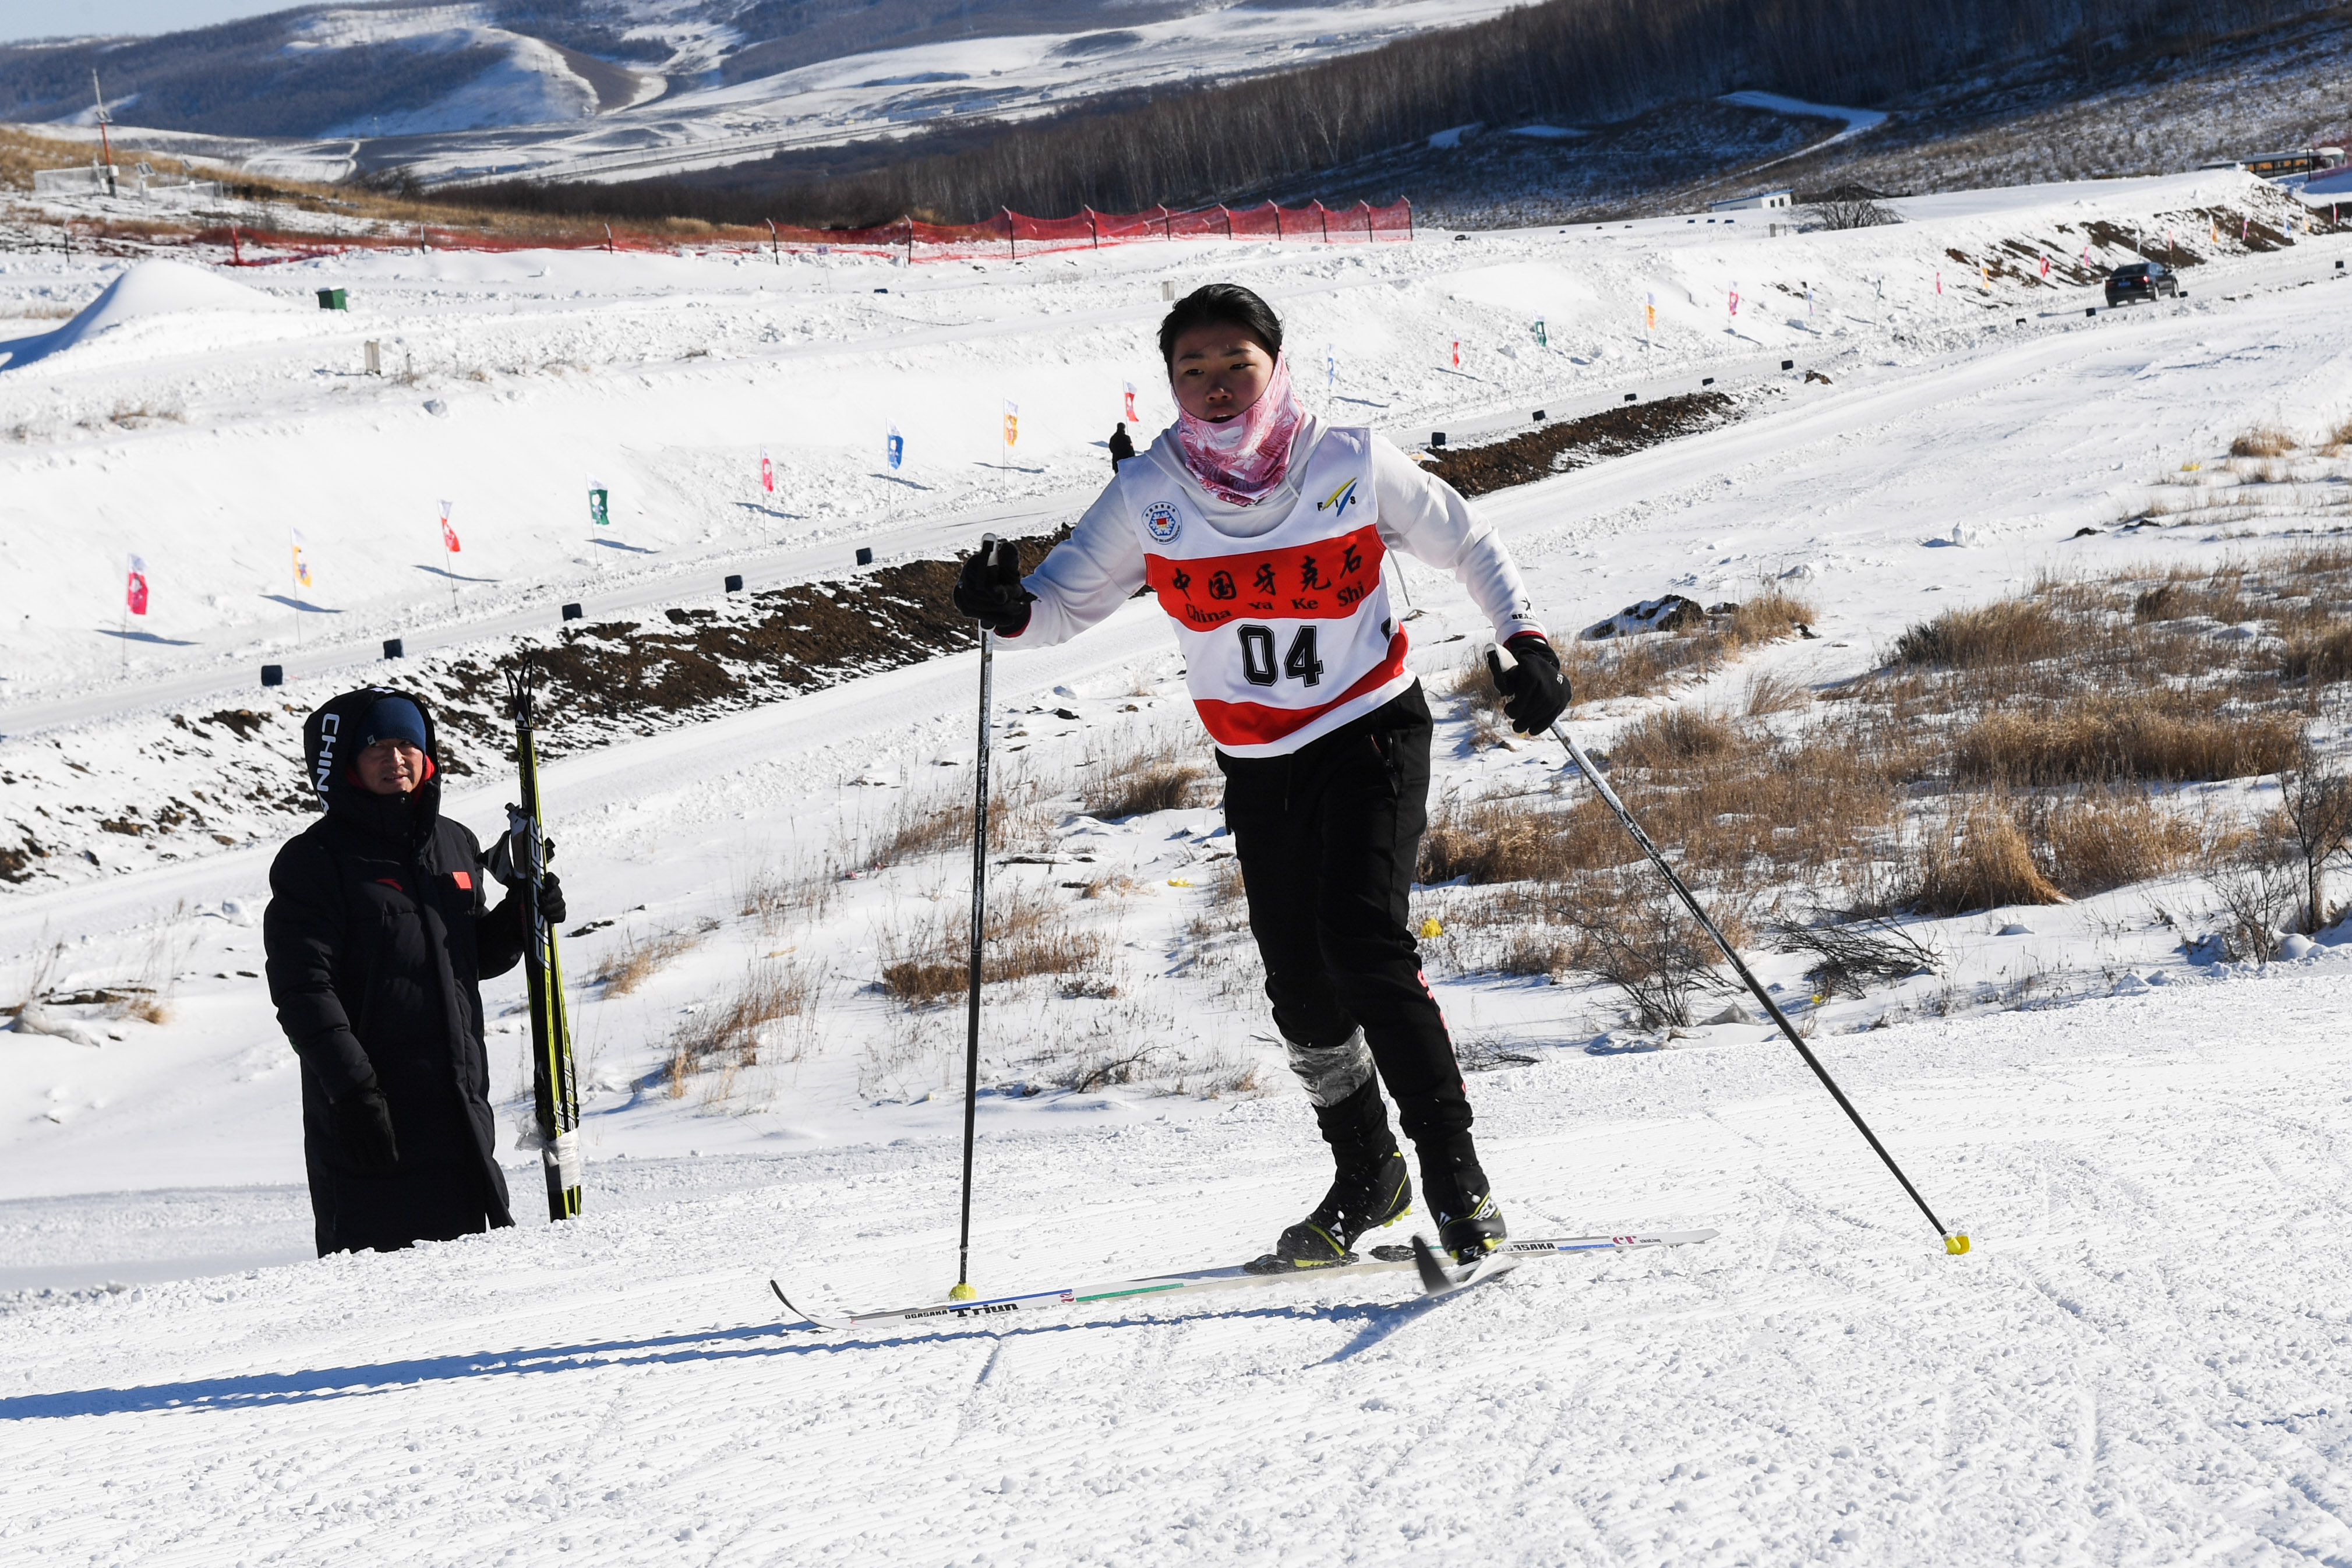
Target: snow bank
(144,291)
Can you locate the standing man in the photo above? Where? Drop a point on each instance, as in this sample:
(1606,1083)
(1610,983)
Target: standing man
(378,934)
(1262,531)
(1121,447)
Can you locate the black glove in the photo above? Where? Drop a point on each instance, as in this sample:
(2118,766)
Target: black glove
(990,590)
(551,899)
(362,1122)
(1535,692)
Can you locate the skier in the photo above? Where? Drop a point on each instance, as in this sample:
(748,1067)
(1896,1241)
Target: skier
(378,930)
(1122,446)
(1263,532)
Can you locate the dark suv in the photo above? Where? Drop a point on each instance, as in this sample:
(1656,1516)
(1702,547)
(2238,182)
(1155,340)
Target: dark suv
(2146,280)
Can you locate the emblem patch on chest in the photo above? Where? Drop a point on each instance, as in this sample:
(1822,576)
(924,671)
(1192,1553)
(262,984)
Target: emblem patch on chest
(1339,499)
(1160,520)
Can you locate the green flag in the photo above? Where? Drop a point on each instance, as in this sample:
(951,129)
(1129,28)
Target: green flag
(598,512)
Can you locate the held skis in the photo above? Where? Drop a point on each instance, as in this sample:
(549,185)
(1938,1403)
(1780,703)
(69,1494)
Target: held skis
(1382,1260)
(519,860)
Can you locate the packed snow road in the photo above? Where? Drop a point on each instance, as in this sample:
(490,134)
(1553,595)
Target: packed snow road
(2142,1360)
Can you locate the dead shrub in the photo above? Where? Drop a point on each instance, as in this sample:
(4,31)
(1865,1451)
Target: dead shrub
(727,1032)
(2257,881)
(1977,858)
(1025,935)
(1538,950)
(2262,441)
(1633,934)
(1849,954)
(638,960)
(2110,838)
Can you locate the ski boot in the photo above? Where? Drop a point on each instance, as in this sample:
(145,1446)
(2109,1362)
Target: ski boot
(1469,1224)
(1363,1198)
(1371,1187)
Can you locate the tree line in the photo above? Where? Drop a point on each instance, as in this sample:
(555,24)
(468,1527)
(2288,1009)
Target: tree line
(1575,61)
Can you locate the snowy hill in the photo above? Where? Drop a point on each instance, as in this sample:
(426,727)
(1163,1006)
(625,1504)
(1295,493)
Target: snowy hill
(2138,1359)
(455,91)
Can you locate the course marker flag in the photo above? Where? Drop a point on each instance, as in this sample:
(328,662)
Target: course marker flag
(134,588)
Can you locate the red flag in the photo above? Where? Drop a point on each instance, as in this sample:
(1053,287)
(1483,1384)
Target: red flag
(1131,418)
(2045,267)
(1735,298)
(1457,353)
(767,474)
(134,591)
(448,534)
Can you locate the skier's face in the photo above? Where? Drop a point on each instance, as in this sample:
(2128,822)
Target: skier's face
(1218,370)
(391,767)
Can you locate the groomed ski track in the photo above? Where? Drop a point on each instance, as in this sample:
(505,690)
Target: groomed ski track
(2141,1361)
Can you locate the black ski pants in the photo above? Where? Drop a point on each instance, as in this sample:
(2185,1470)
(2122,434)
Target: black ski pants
(1327,838)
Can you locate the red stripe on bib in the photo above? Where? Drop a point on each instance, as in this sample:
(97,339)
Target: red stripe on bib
(1323,581)
(1260,724)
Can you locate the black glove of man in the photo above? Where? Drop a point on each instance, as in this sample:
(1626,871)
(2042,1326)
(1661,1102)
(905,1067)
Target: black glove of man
(990,590)
(551,899)
(363,1123)
(1534,692)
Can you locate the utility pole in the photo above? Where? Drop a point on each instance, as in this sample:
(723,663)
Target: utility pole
(104,141)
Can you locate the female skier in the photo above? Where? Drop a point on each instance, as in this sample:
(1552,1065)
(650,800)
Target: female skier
(1261,530)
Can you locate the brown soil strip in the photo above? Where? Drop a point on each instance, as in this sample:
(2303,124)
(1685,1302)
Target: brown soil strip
(1550,450)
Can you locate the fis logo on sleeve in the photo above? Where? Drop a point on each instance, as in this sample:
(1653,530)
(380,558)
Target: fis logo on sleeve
(1160,520)
(1338,500)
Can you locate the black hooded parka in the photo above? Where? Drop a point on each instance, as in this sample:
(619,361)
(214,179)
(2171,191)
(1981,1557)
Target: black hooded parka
(378,930)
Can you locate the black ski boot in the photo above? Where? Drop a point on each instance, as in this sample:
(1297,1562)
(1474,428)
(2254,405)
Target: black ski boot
(1363,1197)
(1370,1188)
(1469,1224)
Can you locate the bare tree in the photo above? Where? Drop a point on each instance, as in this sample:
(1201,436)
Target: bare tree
(2315,814)
(1849,206)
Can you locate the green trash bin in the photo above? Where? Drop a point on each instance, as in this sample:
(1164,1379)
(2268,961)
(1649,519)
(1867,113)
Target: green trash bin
(332,299)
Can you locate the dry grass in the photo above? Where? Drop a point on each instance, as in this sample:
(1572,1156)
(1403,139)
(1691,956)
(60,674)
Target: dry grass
(729,1033)
(640,959)
(1643,665)
(1141,774)
(1027,935)
(2096,840)
(2262,441)
(934,823)
(1976,857)
(2141,736)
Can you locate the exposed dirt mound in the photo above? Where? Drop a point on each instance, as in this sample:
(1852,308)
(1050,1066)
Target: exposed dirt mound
(1551,449)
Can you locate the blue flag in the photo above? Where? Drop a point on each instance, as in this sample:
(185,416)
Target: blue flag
(894,447)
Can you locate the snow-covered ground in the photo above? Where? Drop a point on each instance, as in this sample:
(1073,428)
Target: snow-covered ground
(2142,1359)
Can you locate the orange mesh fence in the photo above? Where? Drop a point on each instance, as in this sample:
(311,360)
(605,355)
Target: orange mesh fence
(1009,233)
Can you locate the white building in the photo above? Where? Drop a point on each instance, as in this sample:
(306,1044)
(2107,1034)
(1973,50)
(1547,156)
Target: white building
(1750,203)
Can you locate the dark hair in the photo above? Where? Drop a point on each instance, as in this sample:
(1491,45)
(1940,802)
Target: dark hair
(1220,305)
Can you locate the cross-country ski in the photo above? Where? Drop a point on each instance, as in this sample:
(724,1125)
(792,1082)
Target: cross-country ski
(1156,1290)
(1552,785)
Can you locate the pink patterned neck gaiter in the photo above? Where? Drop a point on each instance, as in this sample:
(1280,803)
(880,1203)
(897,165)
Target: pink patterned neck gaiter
(1243,458)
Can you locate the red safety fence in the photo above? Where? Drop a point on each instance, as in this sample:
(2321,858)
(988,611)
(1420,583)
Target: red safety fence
(1010,235)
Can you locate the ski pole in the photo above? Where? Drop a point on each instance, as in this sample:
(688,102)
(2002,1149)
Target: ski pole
(1954,1243)
(988,545)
